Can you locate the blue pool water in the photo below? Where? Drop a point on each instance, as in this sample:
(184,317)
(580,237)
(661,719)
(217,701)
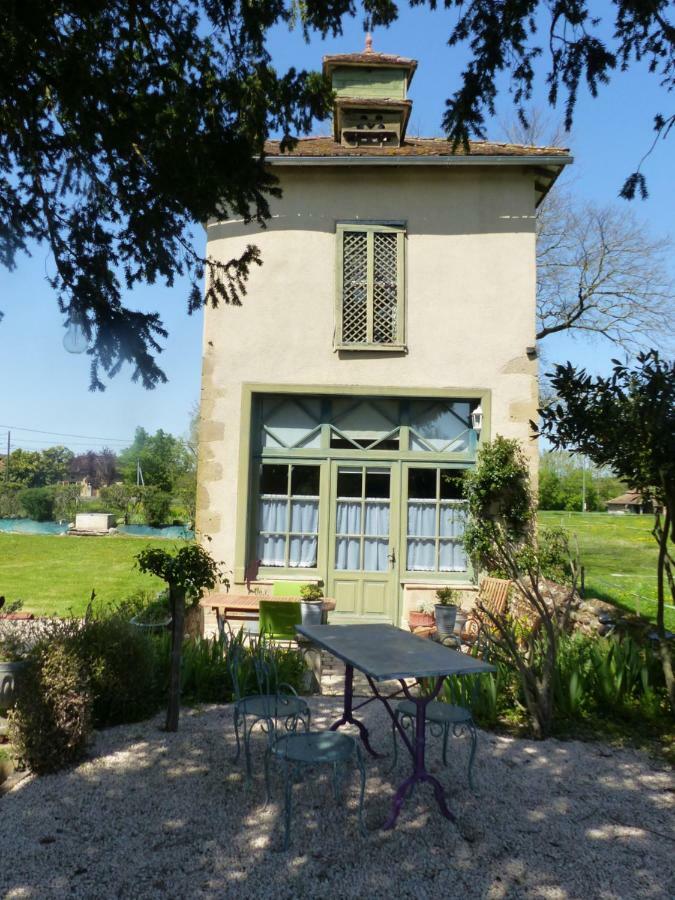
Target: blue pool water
(29,526)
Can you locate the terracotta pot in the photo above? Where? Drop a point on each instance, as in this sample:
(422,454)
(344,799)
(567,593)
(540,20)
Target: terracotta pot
(418,619)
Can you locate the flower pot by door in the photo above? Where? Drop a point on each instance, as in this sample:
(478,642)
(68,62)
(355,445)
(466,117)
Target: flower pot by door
(445,620)
(417,619)
(311,612)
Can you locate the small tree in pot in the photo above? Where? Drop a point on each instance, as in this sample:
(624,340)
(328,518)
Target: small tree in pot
(446,611)
(188,572)
(311,604)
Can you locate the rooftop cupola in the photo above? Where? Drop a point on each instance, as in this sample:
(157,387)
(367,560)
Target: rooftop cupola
(371,104)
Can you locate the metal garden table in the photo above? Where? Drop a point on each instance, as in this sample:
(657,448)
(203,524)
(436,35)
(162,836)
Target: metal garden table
(386,653)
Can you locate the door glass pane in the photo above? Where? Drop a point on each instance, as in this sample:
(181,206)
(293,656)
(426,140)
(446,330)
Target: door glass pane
(422,518)
(421,556)
(347,553)
(451,557)
(377,483)
(451,485)
(422,484)
(377,519)
(375,555)
(348,517)
(350,483)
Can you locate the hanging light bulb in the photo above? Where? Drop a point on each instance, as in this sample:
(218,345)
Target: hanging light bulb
(75,339)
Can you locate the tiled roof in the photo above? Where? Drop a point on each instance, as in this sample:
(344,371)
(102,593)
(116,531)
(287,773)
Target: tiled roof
(369,57)
(326,146)
(630,497)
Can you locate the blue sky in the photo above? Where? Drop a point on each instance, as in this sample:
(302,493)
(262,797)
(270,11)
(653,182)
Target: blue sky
(46,389)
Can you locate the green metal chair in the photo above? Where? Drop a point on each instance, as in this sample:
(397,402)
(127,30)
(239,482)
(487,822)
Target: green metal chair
(278,620)
(274,701)
(300,750)
(441,719)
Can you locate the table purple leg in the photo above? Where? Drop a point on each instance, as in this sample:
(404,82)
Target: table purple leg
(347,717)
(417,750)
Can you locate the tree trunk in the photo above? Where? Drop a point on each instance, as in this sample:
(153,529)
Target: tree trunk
(663,533)
(177,601)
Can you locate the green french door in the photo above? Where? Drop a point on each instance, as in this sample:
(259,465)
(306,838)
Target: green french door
(363,541)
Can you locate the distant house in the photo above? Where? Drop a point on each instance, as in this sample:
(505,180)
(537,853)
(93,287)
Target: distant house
(630,502)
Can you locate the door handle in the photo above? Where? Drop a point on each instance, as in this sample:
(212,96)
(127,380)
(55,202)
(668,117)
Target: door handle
(392,557)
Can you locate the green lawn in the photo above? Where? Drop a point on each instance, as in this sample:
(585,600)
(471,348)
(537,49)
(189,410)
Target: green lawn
(619,556)
(56,574)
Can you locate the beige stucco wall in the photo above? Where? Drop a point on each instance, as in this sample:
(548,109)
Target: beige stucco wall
(470,304)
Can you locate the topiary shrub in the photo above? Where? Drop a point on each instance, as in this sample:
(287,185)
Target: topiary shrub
(51,722)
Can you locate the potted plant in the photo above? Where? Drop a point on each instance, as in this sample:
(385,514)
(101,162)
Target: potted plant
(422,616)
(446,611)
(311,604)
(14,647)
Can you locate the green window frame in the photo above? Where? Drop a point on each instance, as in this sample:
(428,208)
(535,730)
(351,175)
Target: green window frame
(370,296)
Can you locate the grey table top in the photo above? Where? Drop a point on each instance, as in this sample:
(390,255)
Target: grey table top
(385,652)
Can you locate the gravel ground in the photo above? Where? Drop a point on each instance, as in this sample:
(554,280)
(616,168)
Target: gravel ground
(157,815)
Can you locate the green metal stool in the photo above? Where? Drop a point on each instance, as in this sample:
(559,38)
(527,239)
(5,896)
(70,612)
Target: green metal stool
(299,750)
(444,717)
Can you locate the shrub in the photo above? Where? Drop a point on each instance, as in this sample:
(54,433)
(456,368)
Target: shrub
(499,498)
(10,505)
(156,505)
(122,665)
(208,663)
(66,501)
(51,723)
(38,503)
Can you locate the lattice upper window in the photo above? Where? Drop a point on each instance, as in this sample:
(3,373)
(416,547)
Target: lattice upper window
(370,287)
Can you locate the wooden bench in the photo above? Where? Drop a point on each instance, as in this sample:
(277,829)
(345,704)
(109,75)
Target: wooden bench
(493,596)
